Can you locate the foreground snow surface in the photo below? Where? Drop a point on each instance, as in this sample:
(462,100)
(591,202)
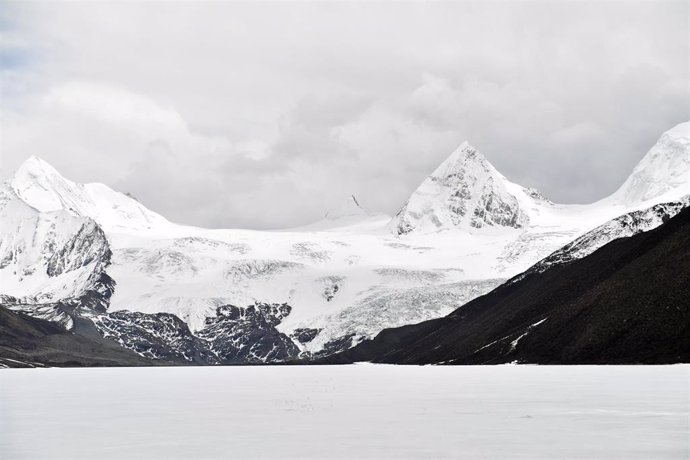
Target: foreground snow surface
(355,411)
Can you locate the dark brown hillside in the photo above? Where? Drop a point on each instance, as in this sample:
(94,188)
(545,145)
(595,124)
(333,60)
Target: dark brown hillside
(28,342)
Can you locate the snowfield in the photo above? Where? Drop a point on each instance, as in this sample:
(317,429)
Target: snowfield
(361,411)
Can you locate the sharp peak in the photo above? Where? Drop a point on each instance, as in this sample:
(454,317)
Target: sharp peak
(466,153)
(465,148)
(672,145)
(663,170)
(43,188)
(464,156)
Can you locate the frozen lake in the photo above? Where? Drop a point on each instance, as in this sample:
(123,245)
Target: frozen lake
(346,412)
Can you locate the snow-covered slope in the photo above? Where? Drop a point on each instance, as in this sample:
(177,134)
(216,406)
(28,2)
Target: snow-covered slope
(663,174)
(348,207)
(40,186)
(346,212)
(53,256)
(465,230)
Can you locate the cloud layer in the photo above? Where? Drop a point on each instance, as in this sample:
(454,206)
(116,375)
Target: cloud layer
(262,114)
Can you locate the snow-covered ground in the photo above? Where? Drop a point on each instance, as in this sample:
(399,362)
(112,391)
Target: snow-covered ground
(361,411)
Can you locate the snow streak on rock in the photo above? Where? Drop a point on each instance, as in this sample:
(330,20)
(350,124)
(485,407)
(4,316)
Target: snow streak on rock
(234,335)
(621,227)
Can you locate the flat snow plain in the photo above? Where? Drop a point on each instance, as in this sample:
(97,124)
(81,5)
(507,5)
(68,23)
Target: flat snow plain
(360,411)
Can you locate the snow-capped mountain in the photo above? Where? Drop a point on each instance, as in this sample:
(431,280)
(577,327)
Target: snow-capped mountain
(465,191)
(40,186)
(663,173)
(99,262)
(52,259)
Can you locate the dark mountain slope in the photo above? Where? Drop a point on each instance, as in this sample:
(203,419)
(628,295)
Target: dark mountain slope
(28,342)
(628,302)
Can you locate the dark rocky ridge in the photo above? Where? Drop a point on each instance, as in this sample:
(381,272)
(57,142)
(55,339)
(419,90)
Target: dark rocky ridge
(235,335)
(32,342)
(155,336)
(249,335)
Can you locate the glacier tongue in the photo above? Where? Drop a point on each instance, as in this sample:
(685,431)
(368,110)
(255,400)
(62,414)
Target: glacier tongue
(465,191)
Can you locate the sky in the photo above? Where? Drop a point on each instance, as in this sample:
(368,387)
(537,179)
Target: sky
(268,114)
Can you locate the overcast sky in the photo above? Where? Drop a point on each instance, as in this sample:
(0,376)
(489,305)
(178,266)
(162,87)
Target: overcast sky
(261,114)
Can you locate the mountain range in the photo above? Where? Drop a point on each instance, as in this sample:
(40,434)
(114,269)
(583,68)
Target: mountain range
(101,265)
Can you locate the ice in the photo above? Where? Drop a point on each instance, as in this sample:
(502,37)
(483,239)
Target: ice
(360,411)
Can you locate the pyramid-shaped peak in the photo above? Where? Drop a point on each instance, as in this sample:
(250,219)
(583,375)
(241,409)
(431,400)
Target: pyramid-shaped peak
(464,191)
(468,150)
(463,154)
(464,159)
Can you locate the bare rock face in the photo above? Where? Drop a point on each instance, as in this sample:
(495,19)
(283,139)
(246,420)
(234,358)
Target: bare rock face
(235,335)
(249,335)
(159,336)
(89,244)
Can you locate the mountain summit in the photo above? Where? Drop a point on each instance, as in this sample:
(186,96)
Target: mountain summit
(664,170)
(465,191)
(41,186)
